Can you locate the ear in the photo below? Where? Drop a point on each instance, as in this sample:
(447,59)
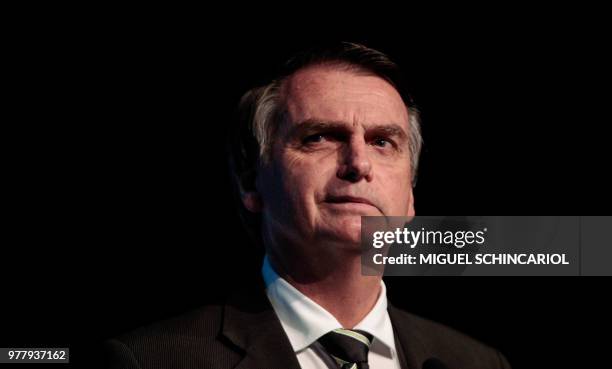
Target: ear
(249,195)
(252,201)
(411,205)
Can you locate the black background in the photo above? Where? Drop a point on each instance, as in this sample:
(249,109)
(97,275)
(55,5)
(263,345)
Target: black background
(119,209)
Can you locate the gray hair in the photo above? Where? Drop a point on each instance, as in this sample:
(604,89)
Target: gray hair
(269,109)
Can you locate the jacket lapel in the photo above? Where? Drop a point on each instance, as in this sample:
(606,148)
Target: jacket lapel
(250,323)
(408,336)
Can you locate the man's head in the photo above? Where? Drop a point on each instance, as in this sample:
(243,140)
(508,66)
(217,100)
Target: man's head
(329,141)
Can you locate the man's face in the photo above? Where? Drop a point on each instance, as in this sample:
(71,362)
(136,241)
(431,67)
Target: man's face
(342,153)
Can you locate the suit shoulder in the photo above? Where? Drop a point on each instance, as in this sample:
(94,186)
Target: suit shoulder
(188,340)
(196,324)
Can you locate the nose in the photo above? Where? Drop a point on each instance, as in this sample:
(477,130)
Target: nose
(355,163)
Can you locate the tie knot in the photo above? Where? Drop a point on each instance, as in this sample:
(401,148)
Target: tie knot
(349,348)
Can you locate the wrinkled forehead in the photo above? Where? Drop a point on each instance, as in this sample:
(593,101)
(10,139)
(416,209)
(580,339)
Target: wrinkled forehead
(332,93)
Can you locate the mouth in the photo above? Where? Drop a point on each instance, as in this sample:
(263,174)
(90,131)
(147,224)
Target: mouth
(352,204)
(348,200)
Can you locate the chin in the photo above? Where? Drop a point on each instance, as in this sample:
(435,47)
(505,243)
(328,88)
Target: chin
(347,232)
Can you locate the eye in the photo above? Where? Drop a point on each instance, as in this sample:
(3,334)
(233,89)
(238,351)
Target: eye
(381,142)
(314,139)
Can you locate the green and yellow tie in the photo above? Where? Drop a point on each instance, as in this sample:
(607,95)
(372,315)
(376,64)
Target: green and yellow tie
(349,348)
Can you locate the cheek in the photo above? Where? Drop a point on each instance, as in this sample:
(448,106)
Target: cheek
(298,183)
(396,189)
(308,174)
(302,185)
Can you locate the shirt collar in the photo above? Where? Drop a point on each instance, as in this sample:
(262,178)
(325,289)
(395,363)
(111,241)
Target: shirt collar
(304,321)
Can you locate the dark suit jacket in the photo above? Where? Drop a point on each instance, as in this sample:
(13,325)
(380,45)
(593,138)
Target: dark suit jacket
(245,333)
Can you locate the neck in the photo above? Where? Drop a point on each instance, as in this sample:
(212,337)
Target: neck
(338,287)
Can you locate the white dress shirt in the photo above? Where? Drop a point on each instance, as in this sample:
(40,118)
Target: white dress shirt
(304,322)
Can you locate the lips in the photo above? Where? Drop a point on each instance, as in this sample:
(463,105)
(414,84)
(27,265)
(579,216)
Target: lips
(348,199)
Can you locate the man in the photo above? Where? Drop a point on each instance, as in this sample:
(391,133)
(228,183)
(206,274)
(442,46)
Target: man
(332,139)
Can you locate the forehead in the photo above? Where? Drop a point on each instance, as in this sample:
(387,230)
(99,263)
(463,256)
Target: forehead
(336,94)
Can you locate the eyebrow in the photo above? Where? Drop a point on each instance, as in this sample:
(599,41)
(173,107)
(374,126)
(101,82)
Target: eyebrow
(309,126)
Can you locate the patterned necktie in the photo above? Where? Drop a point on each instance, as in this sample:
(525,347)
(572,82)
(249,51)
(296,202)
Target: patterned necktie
(349,348)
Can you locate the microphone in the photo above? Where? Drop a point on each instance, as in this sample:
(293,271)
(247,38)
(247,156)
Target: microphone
(434,363)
